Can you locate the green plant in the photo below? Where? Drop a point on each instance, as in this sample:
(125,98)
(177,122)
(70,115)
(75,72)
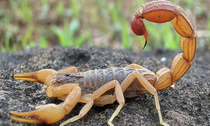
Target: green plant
(78,22)
(162,35)
(125,35)
(45,9)
(8,45)
(42,42)
(60,8)
(26,37)
(67,35)
(22,9)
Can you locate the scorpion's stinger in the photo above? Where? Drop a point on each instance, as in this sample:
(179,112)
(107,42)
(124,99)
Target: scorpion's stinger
(138,27)
(145,44)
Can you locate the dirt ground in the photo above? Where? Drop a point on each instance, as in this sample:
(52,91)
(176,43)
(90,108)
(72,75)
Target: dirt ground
(187,104)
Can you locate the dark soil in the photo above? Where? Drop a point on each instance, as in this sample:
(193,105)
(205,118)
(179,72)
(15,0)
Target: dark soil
(187,104)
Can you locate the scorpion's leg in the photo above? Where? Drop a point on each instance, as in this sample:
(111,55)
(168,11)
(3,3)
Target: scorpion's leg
(136,66)
(108,99)
(105,100)
(68,70)
(89,100)
(131,77)
(51,113)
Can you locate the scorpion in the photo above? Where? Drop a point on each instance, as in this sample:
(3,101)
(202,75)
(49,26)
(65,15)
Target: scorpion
(105,86)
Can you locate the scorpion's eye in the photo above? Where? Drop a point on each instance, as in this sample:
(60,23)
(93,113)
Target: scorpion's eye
(67,74)
(58,81)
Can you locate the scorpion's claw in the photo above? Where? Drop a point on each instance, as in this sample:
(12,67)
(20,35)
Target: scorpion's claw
(43,76)
(48,114)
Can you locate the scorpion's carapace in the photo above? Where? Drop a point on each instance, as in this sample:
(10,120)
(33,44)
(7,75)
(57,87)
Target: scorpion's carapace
(105,86)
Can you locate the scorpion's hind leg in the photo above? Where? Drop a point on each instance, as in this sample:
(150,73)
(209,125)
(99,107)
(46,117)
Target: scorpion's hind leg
(131,77)
(136,66)
(89,100)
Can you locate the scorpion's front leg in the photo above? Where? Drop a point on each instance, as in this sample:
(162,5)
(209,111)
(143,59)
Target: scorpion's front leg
(88,99)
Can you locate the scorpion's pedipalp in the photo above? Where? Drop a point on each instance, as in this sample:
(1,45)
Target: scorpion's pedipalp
(26,120)
(88,105)
(26,77)
(48,114)
(61,90)
(42,76)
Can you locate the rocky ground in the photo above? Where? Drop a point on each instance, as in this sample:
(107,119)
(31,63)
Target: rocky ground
(187,104)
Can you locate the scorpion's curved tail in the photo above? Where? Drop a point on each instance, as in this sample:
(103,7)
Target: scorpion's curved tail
(164,12)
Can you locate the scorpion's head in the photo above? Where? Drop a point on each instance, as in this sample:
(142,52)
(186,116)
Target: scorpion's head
(64,78)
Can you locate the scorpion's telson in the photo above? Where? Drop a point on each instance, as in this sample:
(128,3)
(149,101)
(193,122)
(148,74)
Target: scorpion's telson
(101,87)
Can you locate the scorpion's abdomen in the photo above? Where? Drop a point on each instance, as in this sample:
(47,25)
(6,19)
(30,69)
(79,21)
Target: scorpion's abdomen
(94,79)
(98,77)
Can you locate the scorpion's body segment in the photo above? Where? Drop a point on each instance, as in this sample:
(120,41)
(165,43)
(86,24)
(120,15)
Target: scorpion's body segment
(91,80)
(102,87)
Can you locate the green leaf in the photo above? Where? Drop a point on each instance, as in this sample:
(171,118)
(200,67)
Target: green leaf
(26,37)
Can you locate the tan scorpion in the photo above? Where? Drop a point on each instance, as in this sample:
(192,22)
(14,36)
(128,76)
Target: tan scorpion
(105,86)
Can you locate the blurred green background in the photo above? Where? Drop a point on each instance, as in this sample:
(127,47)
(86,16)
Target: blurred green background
(105,23)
